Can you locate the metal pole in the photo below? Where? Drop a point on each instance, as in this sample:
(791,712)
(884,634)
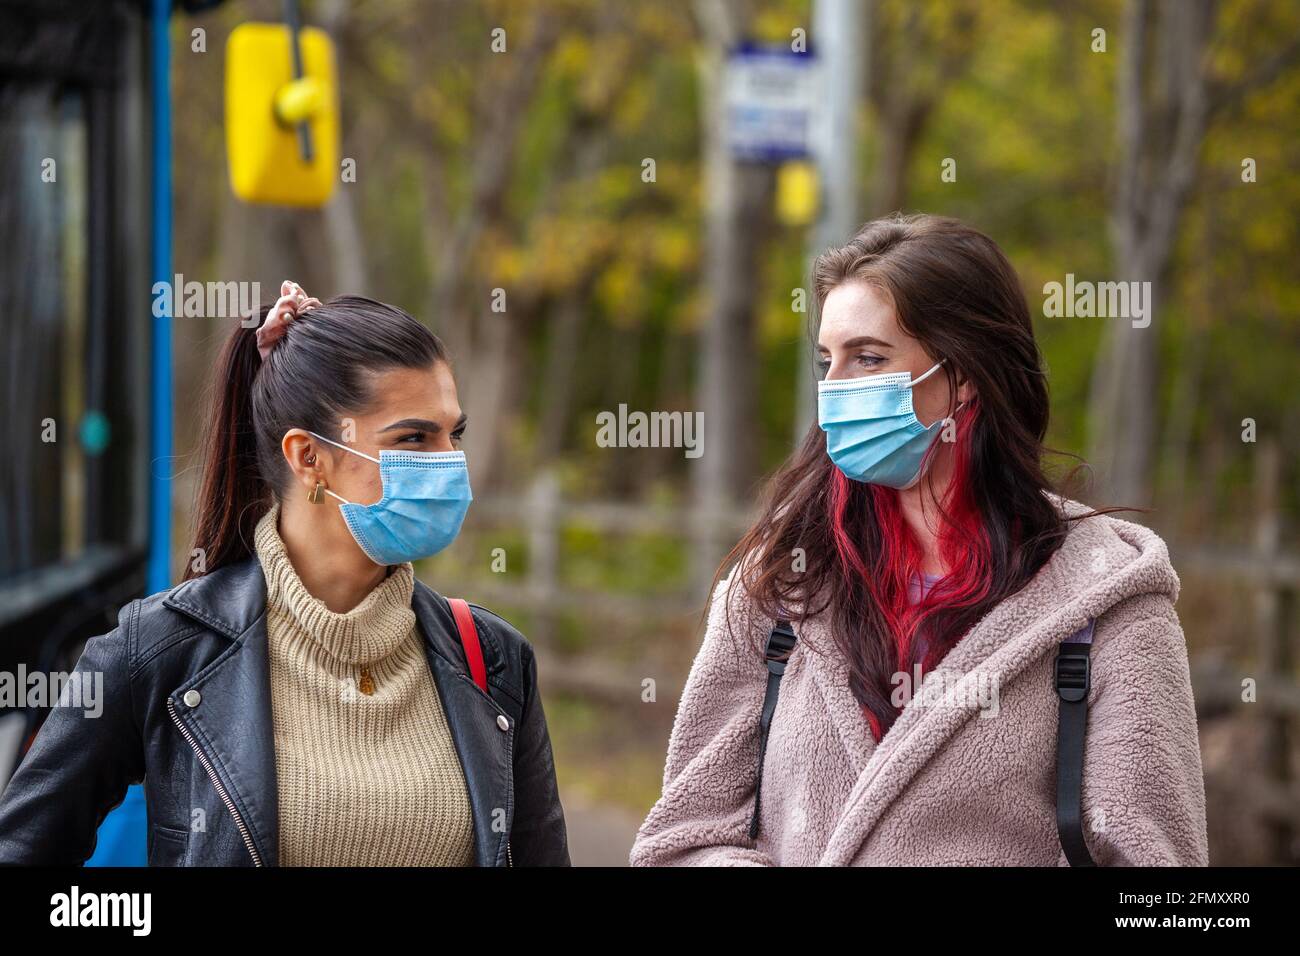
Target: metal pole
(160,425)
(840,41)
(293,19)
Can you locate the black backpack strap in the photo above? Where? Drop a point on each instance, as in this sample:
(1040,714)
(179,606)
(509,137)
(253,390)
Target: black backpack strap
(1073,678)
(779,645)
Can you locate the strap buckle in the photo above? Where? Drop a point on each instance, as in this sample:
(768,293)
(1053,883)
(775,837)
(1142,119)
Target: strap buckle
(780,644)
(1073,675)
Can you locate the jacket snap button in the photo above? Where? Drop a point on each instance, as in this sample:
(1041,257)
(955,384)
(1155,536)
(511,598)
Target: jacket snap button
(502,722)
(192,698)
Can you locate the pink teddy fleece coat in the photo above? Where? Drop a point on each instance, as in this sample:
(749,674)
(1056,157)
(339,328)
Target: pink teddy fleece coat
(962,778)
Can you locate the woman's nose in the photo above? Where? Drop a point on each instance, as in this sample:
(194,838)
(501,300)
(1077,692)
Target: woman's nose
(838,371)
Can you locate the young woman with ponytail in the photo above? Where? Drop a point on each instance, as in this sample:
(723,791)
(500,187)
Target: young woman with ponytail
(300,699)
(930,577)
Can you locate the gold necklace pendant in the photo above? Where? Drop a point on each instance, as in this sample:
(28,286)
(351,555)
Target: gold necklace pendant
(367,683)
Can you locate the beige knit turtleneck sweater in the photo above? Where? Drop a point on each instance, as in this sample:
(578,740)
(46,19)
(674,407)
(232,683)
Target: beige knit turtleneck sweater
(365,779)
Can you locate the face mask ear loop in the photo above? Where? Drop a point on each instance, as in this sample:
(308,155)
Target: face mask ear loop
(336,497)
(346,448)
(917,381)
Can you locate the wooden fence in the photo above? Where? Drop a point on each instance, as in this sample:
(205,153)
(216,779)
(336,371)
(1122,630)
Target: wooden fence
(1268,790)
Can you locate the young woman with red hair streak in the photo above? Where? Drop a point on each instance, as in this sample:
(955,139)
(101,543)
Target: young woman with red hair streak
(931,579)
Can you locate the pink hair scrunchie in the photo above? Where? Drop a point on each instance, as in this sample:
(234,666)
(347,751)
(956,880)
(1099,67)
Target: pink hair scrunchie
(277,323)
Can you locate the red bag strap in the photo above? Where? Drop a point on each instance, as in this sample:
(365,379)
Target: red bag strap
(469,640)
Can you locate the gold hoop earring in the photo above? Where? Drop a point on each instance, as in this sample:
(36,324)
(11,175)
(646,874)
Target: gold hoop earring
(314,496)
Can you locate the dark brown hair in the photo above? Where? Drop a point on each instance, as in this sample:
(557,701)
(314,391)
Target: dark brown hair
(320,372)
(955,291)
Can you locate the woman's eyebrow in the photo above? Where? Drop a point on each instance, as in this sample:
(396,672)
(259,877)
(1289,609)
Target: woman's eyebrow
(858,342)
(424,425)
(865,340)
(420,424)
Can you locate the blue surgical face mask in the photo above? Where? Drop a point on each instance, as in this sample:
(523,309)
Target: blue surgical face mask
(872,434)
(426,495)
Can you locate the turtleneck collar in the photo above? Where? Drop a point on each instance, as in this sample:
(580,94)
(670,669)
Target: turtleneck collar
(372,630)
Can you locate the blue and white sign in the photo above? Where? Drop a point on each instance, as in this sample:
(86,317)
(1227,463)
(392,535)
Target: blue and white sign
(771,96)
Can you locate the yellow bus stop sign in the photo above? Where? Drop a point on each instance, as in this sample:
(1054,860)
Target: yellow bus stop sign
(797,193)
(263,105)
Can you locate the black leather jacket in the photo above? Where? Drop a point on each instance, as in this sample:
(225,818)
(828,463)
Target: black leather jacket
(209,766)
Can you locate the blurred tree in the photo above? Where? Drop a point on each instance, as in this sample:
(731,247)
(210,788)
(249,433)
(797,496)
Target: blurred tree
(738,202)
(918,53)
(346,240)
(1168,96)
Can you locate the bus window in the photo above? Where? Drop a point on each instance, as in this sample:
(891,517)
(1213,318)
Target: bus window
(42,296)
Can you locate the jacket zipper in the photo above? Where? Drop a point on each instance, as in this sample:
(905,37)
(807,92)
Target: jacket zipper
(212,774)
(510,859)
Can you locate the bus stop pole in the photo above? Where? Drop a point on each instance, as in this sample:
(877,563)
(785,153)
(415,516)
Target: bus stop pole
(158,572)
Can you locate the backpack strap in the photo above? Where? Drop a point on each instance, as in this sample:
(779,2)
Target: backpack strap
(1073,679)
(469,641)
(779,645)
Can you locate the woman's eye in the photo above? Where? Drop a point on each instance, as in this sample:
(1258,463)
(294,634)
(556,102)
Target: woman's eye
(415,438)
(823,366)
(867,361)
(458,437)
